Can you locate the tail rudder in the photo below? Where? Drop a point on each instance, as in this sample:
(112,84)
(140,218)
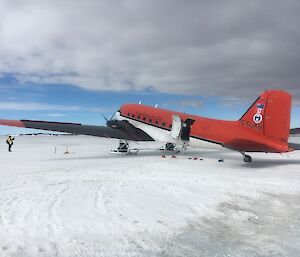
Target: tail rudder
(270,115)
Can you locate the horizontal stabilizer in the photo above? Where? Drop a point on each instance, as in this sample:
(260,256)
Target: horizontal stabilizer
(295,131)
(294,146)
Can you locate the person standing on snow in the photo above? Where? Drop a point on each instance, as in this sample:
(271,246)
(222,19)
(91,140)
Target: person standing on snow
(10,142)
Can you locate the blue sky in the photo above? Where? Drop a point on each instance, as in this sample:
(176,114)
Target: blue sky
(73,104)
(210,58)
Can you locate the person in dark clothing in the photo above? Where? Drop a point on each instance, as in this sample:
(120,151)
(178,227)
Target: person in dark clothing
(10,142)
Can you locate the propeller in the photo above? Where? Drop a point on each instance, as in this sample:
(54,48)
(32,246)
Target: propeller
(113,123)
(108,119)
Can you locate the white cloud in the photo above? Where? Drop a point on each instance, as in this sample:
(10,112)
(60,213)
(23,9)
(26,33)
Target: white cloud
(296,102)
(186,102)
(57,115)
(228,47)
(34,106)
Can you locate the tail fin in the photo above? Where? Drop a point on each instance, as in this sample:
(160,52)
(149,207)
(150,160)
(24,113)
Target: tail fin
(270,115)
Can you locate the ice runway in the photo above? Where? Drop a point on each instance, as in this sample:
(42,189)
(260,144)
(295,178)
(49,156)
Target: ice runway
(90,203)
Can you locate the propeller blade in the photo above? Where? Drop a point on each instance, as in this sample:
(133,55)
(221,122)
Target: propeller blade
(112,116)
(104,117)
(110,121)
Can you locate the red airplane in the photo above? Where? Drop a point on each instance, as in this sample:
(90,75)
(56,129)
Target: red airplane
(265,127)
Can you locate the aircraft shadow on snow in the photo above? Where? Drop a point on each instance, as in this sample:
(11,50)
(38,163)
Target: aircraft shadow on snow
(260,162)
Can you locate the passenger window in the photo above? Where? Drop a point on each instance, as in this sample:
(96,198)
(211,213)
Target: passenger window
(163,124)
(156,122)
(139,117)
(150,121)
(144,119)
(132,115)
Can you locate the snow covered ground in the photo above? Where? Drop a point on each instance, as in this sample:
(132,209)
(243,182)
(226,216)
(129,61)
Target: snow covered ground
(90,203)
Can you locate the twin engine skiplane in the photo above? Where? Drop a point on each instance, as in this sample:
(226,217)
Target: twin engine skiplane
(265,127)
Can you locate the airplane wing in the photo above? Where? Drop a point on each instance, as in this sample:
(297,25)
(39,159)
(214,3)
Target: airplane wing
(123,131)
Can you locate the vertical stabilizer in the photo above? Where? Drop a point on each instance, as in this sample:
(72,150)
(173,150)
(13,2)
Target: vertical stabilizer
(270,115)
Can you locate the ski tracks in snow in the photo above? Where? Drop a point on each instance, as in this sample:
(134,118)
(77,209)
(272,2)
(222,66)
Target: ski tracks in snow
(28,213)
(89,203)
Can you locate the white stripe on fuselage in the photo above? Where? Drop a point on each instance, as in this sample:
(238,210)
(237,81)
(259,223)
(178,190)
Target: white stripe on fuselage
(162,135)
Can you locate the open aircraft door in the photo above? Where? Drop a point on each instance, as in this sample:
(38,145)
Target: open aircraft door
(181,130)
(176,127)
(186,129)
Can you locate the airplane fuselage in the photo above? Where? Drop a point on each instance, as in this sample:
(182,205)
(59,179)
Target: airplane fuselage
(157,123)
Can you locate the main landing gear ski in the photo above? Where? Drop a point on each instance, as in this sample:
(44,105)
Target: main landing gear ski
(169,148)
(123,149)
